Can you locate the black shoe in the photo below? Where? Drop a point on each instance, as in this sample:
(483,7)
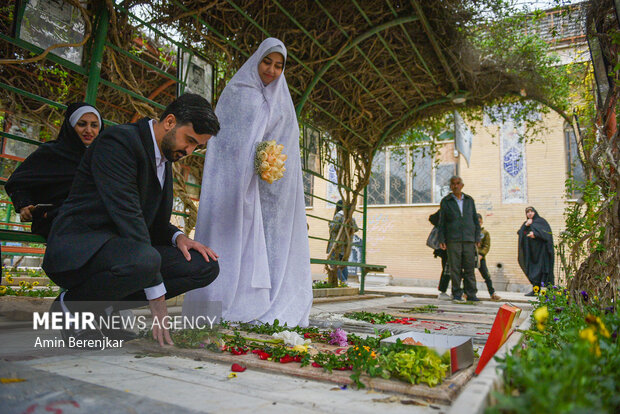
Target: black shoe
(74,339)
(112,331)
(472,299)
(532,293)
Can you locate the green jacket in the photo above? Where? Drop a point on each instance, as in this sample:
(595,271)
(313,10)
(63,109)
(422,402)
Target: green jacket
(485,243)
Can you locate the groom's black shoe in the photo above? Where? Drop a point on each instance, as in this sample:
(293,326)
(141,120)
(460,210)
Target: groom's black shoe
(532,293)
(76,338)
(114,331)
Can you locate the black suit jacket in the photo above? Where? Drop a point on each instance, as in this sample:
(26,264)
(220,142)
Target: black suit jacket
(116,193)
(454,227)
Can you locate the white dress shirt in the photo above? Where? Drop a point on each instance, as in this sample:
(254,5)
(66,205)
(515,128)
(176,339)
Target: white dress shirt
(154,292)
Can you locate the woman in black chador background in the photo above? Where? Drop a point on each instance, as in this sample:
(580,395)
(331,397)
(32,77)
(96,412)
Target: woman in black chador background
(536,255)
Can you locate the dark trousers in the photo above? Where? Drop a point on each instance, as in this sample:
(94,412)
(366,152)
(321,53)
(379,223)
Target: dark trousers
(122,268)
(461,262)
(343,273)
(484,271)
(444,279)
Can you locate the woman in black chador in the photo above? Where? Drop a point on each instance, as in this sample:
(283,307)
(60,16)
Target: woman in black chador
(45,177)
(536,255)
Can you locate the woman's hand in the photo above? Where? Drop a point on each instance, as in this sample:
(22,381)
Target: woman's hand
(25,214)
(531,235)
(528,222)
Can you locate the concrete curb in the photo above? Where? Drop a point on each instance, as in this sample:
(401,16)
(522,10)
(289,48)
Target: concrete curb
(476,396)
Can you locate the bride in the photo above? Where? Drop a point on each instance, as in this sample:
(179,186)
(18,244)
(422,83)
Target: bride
(258,229)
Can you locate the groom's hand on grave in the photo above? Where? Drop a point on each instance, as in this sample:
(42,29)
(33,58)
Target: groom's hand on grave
(159,311)
(185,244)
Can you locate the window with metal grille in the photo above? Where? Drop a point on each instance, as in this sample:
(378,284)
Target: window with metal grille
(308,188)
(406,175)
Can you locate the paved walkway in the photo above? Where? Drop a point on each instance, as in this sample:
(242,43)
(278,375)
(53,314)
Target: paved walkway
(128,381)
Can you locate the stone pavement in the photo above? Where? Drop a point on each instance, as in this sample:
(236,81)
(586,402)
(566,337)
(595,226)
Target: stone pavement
(128,380)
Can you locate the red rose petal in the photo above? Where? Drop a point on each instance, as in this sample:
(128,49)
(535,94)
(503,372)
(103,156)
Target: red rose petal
(314,364)
(238,351)
(286,359)
(237,368)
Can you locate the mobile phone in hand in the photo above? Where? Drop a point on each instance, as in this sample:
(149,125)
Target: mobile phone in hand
(43,207)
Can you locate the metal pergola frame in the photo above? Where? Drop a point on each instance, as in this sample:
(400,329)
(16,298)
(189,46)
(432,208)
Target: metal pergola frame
(401,107)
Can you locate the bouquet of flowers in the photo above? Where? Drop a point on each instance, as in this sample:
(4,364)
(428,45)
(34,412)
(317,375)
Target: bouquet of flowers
(269,161)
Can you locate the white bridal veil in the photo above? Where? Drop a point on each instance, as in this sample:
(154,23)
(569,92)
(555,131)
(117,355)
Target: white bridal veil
(257,229)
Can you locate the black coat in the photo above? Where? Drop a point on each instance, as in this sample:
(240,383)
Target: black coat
(45,177)
(116,193)
(454,227)
(536,256)
(434,219)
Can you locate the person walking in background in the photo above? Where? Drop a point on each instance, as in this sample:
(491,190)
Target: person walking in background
(485,246)
(459,233)
(334,229)
(444,279)
(536,255)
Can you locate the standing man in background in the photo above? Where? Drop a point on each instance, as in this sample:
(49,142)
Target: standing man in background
(459,234)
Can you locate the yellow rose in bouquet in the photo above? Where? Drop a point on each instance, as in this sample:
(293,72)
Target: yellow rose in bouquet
(269,161)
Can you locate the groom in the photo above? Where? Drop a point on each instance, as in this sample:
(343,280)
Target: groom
(113,240)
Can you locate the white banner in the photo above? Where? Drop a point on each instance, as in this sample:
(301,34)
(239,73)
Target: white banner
(463,137)
(514,172)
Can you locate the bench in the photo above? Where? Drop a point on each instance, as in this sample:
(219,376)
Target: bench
(366,267)
(20,236)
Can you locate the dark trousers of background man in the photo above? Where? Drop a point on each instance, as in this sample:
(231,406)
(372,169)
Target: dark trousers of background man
(444,280)
(122,268)
(462,255)
(484,271)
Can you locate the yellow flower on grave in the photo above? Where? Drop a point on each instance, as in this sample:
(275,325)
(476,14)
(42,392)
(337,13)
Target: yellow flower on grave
(608,279)
(2,290)
(535,289)
(543,291)
(35,283)
(301,348)
(28,285)
(232,375)
(9,279)
(22,283)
